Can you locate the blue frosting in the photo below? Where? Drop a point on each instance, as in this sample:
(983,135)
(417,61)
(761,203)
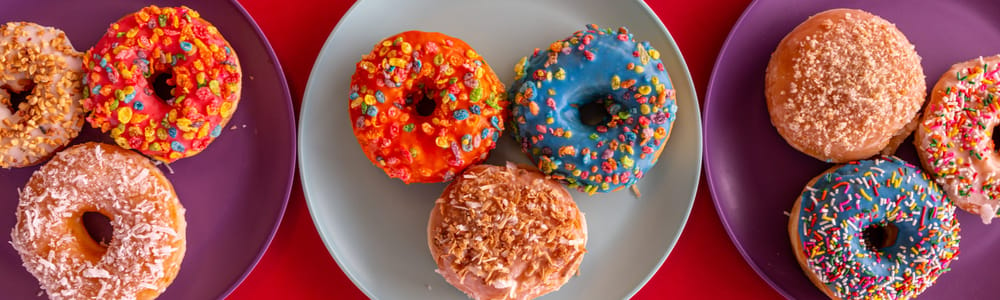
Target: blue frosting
(626,77)
(837,209)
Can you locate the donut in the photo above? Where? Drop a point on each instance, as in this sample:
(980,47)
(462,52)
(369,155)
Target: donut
(844,85)
(163,81)
(40,93)
(873,229)
(506,232)
(955,138)
(425,106)
(148,239)
(604,71)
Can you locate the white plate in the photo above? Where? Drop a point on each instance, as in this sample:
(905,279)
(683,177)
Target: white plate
(375,227)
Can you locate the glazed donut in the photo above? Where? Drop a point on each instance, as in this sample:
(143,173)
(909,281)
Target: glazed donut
(506,233)
(148,239)
(424,106)
(844,85)
(955,139)
(41,62)
(873,229)
(623,78)
(145,47)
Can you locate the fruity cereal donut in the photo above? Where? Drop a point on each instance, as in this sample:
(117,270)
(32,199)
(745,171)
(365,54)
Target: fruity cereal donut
(148,236)
(955,137)
(596,70)
(163,81)
(40,64)
(424,106)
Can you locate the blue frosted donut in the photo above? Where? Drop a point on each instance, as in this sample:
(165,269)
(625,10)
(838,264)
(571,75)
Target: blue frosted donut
(874,229)
(624,77)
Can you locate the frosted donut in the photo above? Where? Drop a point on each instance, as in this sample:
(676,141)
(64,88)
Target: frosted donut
(506,233)
(41,62)
(844,85)
(622,77)
(148,239)
(955,138)
(124,65)
(874,229)
(424,106)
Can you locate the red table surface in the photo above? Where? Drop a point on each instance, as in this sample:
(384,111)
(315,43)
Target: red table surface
(703,265)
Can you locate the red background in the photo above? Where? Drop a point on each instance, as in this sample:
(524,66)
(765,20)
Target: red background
(703,265)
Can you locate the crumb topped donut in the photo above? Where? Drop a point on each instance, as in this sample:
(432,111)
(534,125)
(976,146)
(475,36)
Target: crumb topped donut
(955,140)
(506,233)
(844,85)
(148,239)
(40,63)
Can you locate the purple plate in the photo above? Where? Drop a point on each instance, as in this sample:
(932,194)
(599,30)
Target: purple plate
(755,176)
(235,191)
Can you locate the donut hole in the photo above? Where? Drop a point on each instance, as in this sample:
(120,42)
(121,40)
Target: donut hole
(425,106)
(18,97)
(98,227)
(880,236)
(996,129)
(594,113)
(163,85)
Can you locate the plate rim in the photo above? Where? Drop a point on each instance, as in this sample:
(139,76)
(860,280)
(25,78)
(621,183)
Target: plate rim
(698,135)
(292,149)
(709,178)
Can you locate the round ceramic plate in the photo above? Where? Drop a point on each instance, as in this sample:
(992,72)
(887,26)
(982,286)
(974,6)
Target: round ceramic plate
(755,176)
(375,227)
(235,191)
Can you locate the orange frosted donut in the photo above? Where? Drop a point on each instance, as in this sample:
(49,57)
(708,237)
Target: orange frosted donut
(163,81)
(148,239)
(40,64)
(506,233)
(424,106)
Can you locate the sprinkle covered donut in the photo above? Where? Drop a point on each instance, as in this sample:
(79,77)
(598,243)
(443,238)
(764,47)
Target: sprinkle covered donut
(140,51)
(873,229)
(600,68)
(955,137)
(424,106)
(40,62)
(148,238)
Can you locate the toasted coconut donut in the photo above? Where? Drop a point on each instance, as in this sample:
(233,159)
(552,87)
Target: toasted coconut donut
(148,239)
(844,85)
(506,233)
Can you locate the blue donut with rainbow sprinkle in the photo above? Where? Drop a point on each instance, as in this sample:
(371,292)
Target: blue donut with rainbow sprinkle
(874,229)
(625,81)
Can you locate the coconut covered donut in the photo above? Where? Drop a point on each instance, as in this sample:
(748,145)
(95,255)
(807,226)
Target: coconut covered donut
(148,239)
(38,62)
